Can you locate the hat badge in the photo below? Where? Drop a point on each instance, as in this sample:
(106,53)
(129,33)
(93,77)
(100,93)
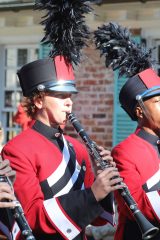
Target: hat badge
(40,87)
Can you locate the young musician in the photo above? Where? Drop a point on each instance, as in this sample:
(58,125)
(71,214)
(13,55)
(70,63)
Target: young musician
(138,156)
(54,179)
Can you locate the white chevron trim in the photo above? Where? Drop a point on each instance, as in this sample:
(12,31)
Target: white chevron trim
(59,172)
(154,199)
(153,180)
(15,231)
(60,220)
(70,183)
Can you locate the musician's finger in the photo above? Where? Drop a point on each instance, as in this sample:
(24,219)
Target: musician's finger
(105,152)
(115,181)
(112,163)
(7,195)
(8,204)
(110,172)
(11,173)
(4,187)
(109,160)
(99,171)
(4,164)
(116,187)
(5,170)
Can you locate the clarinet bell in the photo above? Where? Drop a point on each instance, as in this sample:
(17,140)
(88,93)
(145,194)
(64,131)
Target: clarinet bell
(147,229)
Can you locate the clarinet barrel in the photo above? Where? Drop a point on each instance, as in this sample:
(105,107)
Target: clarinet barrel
(19,216)
(147,229)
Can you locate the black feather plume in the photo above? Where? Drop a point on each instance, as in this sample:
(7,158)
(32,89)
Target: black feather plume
(65,27)
(121,52)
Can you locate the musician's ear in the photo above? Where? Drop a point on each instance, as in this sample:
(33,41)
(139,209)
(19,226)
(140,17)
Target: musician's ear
(38,102)
(139,112)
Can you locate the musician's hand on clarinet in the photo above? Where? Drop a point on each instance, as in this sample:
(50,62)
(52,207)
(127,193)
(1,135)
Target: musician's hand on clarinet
(106,181)
(6,170)
(106,155)
(7,198)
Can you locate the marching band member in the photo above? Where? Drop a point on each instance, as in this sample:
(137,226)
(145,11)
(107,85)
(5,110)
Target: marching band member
(138,156)
(55,182)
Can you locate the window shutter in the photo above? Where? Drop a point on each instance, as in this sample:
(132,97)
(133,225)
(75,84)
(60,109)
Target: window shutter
(44,50)
(122,123)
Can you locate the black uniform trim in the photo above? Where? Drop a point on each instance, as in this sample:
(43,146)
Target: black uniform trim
(47,191)
(107,202)
(86,212)
(80,180)
(56,236)
(154,140)
(55,136)
(156,187)
(52,134)
(61,183)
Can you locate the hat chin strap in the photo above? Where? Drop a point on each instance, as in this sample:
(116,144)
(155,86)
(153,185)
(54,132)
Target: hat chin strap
(144,109)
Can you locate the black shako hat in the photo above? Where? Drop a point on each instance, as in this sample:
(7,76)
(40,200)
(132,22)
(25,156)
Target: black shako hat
(144,85)
(132,60)
(47,75)
(66,33)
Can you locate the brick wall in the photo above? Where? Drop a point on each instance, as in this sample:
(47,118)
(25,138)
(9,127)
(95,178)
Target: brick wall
(93,105)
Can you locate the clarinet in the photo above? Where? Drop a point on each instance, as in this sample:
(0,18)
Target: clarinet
(18,214)
(147,229)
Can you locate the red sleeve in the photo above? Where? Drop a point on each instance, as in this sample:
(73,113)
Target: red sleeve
(125,162)
(30,193)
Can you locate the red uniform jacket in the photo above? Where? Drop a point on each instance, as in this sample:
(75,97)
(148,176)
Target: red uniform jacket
(53,180)
(138,161)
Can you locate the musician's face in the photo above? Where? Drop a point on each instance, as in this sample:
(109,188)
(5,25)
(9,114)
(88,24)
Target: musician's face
(53,108)
(152,120)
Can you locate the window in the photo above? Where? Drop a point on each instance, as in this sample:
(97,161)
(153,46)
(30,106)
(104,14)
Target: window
(13,58)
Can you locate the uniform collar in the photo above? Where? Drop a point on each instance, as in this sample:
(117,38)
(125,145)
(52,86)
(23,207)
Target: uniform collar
(152,139)
(48,132)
